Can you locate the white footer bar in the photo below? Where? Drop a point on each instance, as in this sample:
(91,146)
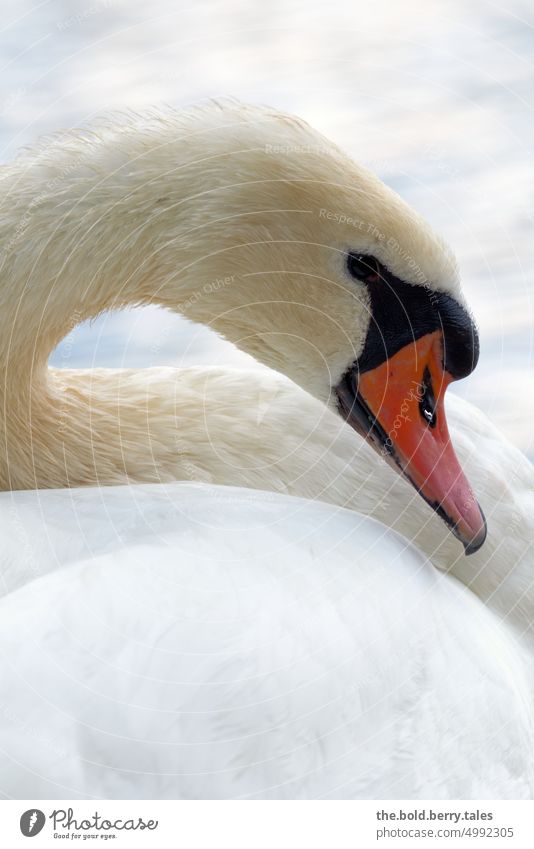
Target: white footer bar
(268,825)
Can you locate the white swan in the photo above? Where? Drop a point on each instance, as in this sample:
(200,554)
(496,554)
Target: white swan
(250,222)
(211,642)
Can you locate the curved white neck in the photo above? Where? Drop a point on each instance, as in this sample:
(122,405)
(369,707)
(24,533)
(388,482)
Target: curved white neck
(119,222)
(79,241)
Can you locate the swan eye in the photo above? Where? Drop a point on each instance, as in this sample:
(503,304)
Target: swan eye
(363,267)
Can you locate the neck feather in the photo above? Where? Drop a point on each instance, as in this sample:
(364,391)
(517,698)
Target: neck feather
(88,225)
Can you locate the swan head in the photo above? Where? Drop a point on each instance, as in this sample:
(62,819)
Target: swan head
(335,281)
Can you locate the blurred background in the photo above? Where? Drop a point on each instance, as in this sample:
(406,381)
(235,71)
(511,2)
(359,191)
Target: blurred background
(437,98)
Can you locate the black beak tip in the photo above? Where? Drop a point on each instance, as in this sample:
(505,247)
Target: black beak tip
(478,541)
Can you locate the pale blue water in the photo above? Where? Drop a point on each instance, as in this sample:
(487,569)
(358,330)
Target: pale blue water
(436,97)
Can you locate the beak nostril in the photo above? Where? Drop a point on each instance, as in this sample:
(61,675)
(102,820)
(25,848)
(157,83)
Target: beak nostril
(427,402)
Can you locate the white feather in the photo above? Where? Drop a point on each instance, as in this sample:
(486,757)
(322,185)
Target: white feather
(171,639)
(192,642)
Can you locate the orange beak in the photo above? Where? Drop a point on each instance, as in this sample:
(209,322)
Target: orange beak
(398,406)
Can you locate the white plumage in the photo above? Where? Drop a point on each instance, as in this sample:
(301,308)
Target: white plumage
(213,642)
(168,638)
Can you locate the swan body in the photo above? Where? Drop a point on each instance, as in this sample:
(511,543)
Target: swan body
(230,434)
(195,642)
(238,217)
